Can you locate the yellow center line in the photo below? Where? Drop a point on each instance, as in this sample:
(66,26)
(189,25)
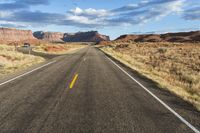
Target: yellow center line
(73,81)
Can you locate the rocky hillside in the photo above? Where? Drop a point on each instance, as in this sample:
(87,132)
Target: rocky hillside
(10,35)
(193,36)
(49,36)
(91,36)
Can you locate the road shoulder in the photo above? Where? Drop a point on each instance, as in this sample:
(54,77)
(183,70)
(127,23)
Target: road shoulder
(185,109)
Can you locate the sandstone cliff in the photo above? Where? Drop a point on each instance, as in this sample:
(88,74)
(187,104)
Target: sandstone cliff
(49,36)
(91,36)
(10,35)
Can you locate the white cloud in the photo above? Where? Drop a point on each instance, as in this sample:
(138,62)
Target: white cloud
(132,14)
(4,14)
(175,6)
(12,24)
(77,10)
(88,16)
(6,22)
(81,19)
(127,15)
(90,12)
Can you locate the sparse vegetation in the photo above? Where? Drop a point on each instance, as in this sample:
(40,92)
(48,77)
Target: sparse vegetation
(175,66)
(12,61)
(58,48)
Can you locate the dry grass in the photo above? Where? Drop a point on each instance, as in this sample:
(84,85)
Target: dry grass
(58,48)
(12,61)
(175,66)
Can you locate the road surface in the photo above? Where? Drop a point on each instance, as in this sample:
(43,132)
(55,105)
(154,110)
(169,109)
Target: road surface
(85,92)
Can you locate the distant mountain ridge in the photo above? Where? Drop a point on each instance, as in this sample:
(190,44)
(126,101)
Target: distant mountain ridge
(15,35)
(192,36)
(8,35)
(90,36)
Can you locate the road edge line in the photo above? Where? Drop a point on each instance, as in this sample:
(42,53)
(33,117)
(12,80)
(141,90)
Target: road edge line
(158,99)
(19,76)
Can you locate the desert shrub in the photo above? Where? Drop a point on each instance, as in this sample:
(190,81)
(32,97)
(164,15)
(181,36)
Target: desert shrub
(175,66)
(162,50)
(11,61)
(124,45)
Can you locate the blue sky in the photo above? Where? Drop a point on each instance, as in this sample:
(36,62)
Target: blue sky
(110,17)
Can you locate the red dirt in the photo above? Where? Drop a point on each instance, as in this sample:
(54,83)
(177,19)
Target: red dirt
(55,48)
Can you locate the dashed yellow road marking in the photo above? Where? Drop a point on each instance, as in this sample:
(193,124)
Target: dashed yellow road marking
(73,81)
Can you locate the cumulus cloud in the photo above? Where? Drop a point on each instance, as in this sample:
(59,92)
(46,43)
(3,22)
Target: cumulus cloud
(89,12)
(127,15)
(82,19)
(132,14)
(87,17)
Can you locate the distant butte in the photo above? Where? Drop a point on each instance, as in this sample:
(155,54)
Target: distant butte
(8,35)
(12,35)
(90,36)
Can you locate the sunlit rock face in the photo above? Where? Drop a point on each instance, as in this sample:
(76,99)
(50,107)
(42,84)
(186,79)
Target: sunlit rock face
(49,36)
(91,36)
(10,35)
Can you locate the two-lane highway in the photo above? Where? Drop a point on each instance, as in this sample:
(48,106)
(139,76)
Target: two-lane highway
(83,92)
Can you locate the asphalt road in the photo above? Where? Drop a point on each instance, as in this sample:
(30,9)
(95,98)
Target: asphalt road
(85,92)
(29,50)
